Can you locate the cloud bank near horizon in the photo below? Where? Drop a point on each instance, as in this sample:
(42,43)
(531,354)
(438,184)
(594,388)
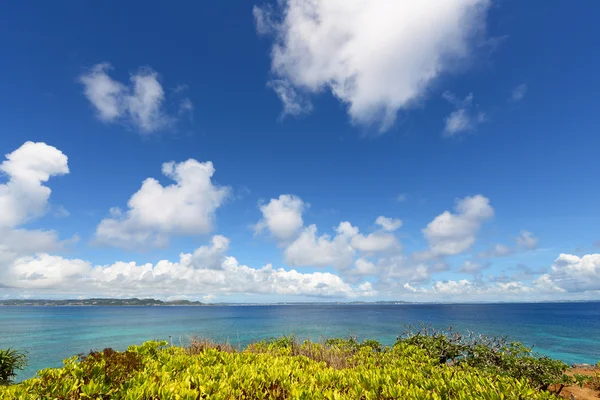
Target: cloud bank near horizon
(349,264)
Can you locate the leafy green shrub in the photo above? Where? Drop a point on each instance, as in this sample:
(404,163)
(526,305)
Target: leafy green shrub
(495,355)
(110,367)
(10,361)
(596,378)
(267,370)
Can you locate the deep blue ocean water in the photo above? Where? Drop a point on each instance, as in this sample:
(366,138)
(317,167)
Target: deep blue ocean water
(567,331)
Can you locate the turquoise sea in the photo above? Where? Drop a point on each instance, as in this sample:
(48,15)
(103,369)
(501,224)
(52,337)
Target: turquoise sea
(567,331)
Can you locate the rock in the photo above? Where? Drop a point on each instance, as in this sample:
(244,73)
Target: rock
(583,366)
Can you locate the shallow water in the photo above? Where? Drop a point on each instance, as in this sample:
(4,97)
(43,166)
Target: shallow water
(567,331)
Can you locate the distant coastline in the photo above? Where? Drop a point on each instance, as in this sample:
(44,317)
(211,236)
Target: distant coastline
(104,302)
(154,302)
(99,302)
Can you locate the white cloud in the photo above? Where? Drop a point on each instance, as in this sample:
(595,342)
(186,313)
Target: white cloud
(140,104)
(466,290)
(452,287)
(282,216)
(363,267)
(527,240)
(401,198)
(186,207)
(450,234)
(24,196)
(105,94)
(16,243)
(308,250)
(388,224)
(576,274)
(145,103)
(518,92)
(167,279)
(211,257)
(376,56)
(375,242)
(571,277)
(465,118)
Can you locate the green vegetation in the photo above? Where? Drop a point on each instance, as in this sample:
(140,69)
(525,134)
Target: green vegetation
(422,364)
(596,379)
(10,361)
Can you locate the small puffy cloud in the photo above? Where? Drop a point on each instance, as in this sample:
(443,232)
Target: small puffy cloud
(388,224)
(527,240)
(24,196)
(375,242)
(465,118)
(105,94)
(364,51)
(363,267)
(140,104)
(282,216)
(186,207)
(310,250)
(518,93)
(401,198)
(452,287)
(450,234)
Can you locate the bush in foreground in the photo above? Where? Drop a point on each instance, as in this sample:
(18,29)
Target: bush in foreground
(494,355)
(280,369)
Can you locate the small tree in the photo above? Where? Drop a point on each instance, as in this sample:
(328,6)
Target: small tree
(10,361)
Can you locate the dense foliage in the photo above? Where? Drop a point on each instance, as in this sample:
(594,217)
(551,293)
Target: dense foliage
(10,361)
(495,355)
(281,369)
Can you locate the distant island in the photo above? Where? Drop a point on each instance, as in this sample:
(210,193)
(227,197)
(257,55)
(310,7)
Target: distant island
(99,302)
(154,302)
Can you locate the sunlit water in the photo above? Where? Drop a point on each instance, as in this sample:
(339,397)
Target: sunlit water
(567,331)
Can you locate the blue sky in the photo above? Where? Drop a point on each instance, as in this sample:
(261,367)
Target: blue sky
(469,126)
